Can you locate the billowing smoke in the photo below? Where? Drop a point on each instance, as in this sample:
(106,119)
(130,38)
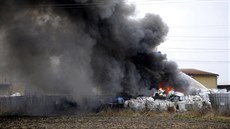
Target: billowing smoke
(83,48)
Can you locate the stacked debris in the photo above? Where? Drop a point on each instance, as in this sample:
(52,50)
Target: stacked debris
(173,101)
(191,102)
(199,99)
(143,103)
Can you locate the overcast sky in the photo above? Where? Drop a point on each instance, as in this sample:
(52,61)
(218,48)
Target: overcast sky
(199,33)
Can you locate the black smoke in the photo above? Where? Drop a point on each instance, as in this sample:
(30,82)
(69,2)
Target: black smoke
(83,48)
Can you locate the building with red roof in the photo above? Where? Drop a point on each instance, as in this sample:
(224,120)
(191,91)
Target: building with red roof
(207,79)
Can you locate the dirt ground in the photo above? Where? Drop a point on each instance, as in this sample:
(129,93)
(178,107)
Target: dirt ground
(117,121)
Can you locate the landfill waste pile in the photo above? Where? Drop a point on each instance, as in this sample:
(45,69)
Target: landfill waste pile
(171,101)
(193,103)
(142,103)
(174,101)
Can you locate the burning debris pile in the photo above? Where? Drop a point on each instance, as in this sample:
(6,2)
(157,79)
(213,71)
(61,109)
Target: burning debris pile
(204,101)
(84,48)
(179,103)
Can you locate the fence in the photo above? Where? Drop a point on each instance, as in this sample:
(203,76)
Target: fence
(36,105)
(220,102)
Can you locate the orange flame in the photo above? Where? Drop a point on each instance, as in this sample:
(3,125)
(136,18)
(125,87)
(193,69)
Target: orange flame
(166,88)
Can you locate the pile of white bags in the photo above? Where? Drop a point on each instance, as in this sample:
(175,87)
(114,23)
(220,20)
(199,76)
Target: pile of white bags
(188,103)
(193,103)
(136,104)
(142,103)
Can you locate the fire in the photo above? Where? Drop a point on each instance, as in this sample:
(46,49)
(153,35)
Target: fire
(166,88)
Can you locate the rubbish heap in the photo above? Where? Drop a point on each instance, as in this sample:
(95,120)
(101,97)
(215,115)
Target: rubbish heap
(143,103)
(193,102)
(173,101)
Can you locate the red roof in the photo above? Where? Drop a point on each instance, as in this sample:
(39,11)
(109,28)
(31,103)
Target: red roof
(197,72)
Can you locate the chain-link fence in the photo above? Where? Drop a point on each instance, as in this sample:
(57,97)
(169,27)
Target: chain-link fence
(220,102)
(37,105)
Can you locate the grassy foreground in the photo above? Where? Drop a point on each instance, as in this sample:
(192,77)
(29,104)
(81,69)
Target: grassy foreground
(121,119)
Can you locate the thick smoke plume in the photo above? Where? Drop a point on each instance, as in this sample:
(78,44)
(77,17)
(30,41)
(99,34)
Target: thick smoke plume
(83,48)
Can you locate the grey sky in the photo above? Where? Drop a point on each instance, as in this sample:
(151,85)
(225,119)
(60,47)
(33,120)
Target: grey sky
(199,33)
